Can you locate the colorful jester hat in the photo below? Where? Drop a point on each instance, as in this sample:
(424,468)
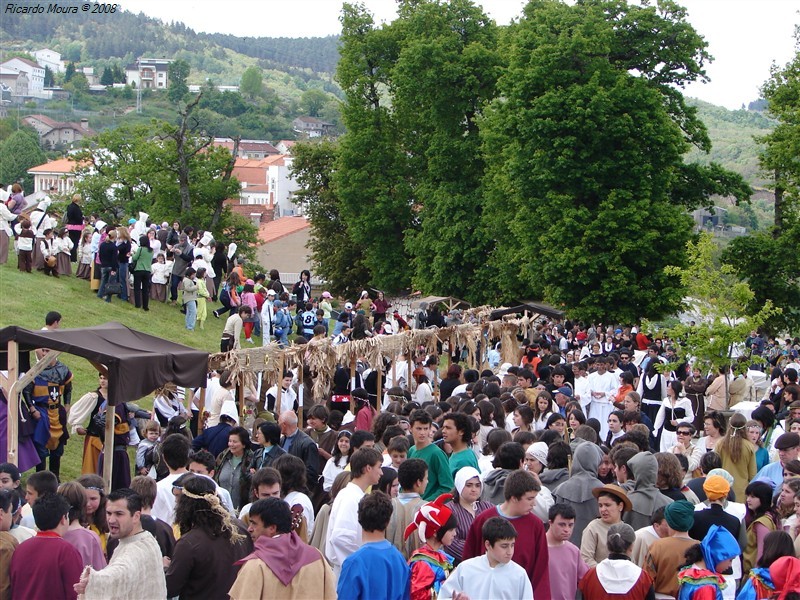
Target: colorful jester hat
(430,518)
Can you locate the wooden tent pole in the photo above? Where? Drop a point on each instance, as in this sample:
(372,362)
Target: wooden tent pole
(300,389)
(379,388)
(352,384)
(201,407)
(241,398)
(108,446)
(12,397)
(279,387)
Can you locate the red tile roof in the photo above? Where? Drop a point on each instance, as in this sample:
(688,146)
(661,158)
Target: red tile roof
(43,119)
(61,165)
(275,230)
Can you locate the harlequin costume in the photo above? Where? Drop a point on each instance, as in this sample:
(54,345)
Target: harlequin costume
(704,583)
(47,394)
(429,567)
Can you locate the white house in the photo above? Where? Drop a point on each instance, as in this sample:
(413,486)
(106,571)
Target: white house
(50,58)
(149,73)
(34,71)
(56,175)
(268,182)
(15,81)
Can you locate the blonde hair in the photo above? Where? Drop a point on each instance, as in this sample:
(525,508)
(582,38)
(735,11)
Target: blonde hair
(152,426)
(123,234)
(735,439)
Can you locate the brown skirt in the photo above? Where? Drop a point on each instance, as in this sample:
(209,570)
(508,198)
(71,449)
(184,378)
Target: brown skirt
(38,257)
(84,271)
(158,291)
(92,447)
(212,289)
(63,264)
(3,247)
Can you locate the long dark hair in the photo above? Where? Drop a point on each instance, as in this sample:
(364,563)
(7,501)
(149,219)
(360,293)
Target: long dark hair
(293,474)
(204,512)
(144,242)
(96,483)
(763,491)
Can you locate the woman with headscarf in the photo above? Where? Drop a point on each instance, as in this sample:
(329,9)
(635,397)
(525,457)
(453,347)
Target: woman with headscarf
(577,490)
(465,505)
(702,579)
(785,573)
(210,543)
(617,577)
(612,502)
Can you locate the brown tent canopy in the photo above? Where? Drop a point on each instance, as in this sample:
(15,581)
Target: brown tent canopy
(535,308)
(137,363)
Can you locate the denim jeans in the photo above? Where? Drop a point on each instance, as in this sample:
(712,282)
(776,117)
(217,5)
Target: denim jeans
(191,314)
(105,277)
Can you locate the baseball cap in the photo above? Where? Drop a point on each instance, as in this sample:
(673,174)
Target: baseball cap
(566,390)
(348,305)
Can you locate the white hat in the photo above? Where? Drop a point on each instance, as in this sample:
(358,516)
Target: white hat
(207,238)
(504,369)
(44,204)
(270,292)
(634,330)
(231,250)
(538,451)
(99,224)
(364,293)
(463,475)
(143,216)
(229,410)
(348,305)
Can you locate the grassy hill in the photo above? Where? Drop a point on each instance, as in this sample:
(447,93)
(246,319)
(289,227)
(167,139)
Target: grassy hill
(26,298)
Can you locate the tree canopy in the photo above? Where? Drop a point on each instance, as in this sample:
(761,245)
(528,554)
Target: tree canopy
(19,152)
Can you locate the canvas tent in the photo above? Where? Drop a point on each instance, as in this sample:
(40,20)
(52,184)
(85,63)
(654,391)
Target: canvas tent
(527,307)
(135,363)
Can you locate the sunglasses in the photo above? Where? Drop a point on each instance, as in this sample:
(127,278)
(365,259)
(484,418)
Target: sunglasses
(683,433)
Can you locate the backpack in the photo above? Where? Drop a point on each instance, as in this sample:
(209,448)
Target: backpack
(283,324)
(225,295)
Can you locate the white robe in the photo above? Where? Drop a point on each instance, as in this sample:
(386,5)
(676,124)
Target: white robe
(600,408)
(475,577)
(136,570)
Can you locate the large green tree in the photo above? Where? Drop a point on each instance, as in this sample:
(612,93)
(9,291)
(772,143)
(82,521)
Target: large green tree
(371,170)
(19,152)
(178,73)
(444,75)
(334,256)
(770,261)
(252,82)
(587,190)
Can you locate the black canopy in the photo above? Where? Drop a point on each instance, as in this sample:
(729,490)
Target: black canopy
(532,307)
(137,362)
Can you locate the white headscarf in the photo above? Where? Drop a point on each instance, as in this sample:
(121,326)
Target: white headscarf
(463,475)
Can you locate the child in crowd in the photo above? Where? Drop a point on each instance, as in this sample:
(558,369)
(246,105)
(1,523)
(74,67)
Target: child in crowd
(436,524)
(397,451)
(160,278)
(62,246)
(49,252)
(713,556)
(413,477)
(85,256)
(376,571)
(202,297)
(494,574)
(25,241)
(190,297)
(96,506)
(248,297)
(145,455)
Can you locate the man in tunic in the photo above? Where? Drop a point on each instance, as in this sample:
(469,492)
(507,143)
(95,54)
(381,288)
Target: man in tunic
(136,570)
(281,565)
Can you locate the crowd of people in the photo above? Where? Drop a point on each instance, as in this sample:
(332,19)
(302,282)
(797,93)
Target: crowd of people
(599,464)
(613,473)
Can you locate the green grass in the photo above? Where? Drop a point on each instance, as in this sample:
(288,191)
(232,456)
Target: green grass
(26,298)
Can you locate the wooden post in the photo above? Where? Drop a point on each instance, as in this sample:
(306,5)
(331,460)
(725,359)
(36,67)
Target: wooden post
(201,407)
(12,397)
(278,392)
(108,446)
(379,388)
(352,384)
(300,389)
(241,398)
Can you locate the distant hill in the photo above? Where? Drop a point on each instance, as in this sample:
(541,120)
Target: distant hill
(731,133)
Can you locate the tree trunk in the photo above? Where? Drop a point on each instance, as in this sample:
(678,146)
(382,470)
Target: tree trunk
(226,177)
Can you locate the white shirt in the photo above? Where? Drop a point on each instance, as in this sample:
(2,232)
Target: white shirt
(344,531)
(475,577)
(164,506)
(303,500)
(605,383)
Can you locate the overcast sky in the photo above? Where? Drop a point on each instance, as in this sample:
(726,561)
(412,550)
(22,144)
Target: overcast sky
(744,36)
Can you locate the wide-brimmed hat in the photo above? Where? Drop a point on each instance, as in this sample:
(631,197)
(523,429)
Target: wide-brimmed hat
(616,491)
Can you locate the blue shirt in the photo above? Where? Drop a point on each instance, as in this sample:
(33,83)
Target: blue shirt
(376,571)
(772,474)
